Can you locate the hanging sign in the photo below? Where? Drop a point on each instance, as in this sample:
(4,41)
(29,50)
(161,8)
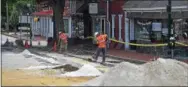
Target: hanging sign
(93,8)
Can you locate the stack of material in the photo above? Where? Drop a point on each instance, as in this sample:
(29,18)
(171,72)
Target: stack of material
(162,72)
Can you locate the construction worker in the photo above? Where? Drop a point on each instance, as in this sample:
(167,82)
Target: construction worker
(63,41)
(101,40)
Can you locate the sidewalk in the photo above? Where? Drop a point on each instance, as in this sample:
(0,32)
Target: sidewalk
(12,38)
(24,36)
(131,55)
(125,55)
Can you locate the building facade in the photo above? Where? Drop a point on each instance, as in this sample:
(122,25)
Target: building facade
(44,26)
(147,20)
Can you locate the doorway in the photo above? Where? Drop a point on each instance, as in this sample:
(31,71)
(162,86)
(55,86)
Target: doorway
(103,25)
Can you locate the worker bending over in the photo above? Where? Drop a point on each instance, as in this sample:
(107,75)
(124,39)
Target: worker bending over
(63,41)
(101,42)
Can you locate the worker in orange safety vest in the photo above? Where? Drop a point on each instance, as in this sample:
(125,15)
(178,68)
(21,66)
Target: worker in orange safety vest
(63,41)
(101,42)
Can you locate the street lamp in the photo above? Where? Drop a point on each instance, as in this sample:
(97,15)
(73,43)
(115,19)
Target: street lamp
(29,5)
(171,40)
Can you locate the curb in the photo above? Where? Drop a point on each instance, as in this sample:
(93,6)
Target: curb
(122,58)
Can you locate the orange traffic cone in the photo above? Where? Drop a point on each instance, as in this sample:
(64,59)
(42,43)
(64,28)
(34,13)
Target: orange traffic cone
(26,44)
(54,47)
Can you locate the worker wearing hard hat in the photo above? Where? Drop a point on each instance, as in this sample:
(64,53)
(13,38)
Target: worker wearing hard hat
(101,42)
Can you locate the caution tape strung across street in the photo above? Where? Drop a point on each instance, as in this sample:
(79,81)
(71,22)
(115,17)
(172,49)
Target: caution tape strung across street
(143,45)
(182,44)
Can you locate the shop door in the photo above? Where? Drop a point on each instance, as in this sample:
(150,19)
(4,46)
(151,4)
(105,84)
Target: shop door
(103,25)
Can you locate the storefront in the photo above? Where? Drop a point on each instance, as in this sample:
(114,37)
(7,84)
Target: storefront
(150,29)
(77,26)
(147,22)
(44,25)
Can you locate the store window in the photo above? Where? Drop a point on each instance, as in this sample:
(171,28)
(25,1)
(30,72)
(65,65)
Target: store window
(181,29)
(151,30)
(77,26)
(66,25)
(142,29)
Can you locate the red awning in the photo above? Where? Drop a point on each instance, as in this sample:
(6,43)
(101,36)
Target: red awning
(50,13)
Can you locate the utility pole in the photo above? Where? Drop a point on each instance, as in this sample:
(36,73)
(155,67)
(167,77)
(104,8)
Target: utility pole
(7,24)
(29,24)
(107,18)
(171,38)
(107,14)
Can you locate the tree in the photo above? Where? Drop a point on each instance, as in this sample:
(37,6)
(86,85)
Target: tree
(4,10)
(58,10)
(15,8)
(18,8)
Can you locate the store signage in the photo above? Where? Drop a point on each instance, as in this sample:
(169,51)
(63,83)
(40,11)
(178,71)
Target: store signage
(165,31)
(93,8)
(156,26)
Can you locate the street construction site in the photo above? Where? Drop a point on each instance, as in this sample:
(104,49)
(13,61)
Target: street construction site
(36,67)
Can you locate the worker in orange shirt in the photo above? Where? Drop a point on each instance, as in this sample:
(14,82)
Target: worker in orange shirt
(63,41)
(101,42)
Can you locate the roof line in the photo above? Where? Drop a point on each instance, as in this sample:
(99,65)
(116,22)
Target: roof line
(163,10)
(155,8)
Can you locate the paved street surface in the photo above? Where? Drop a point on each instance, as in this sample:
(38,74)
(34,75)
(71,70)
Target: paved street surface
(24,62)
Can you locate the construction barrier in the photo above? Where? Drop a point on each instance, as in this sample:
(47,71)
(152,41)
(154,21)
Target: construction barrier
(142,45)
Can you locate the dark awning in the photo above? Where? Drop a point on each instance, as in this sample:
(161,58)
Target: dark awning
(155,8)
(85,6)
(151,4)
(157,15)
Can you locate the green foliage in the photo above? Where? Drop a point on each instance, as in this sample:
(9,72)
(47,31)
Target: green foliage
(16,8)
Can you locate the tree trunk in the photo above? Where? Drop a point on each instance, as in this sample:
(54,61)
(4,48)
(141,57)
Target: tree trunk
(58,10)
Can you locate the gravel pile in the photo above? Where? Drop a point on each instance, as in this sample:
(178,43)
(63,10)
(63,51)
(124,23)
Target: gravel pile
(162,72)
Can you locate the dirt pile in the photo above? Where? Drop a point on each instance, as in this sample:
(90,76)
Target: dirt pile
(85,71)
(162,72)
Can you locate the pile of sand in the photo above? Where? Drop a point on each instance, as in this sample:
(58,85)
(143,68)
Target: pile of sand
(162,72)
(28,54)
(85,70)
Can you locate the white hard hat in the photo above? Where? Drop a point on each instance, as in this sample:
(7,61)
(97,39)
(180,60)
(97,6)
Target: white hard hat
(96,33)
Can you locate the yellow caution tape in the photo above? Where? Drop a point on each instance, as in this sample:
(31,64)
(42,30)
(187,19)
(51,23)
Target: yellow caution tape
(182,44)
(143,45)
(134,44)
